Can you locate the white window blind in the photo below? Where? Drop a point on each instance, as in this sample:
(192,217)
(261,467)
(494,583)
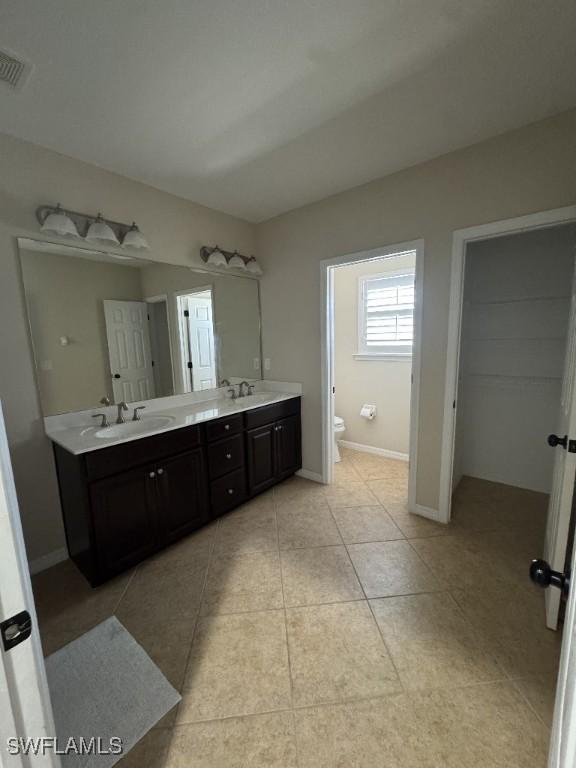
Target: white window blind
(386,315)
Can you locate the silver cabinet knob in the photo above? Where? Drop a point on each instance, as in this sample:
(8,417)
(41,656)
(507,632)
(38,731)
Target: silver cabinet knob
(230,491)
(226,427)
(228,455)
(152,474)
(160,471)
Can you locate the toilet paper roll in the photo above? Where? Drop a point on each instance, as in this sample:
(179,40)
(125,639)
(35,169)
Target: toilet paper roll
(368,412)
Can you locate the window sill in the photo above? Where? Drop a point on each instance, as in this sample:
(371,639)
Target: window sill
(392,357)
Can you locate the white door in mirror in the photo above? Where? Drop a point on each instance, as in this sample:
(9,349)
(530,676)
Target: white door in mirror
(129,350)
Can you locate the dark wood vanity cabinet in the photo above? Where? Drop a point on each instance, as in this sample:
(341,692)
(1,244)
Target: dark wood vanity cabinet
(121,504)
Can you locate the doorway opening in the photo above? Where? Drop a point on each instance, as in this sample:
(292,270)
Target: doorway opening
(198,369)
(371,360)
(160,345)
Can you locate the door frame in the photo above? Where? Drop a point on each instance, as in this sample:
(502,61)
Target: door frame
(460,240)
(327,267)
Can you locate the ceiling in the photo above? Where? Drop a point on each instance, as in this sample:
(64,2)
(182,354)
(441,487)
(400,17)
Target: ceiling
(255,107)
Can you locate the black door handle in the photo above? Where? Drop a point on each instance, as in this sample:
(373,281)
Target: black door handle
(554,440)
(544,576)
(116,375)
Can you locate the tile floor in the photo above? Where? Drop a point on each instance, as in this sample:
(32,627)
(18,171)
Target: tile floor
(326,627)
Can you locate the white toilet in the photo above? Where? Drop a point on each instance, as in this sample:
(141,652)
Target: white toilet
(339,429)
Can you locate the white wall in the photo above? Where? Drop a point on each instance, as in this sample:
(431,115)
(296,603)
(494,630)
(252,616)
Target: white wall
(175,228)
(383,383)
(516,303)
(524,171)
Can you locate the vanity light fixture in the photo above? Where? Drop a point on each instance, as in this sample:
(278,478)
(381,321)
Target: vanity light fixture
(216,257)
(253,266)
(236,261)
(134,238)
(58,222)
(92,228)
(102,231)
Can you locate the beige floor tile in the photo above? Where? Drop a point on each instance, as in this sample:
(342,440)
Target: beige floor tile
(238,665)
(482,725)
(306,526)
(252,528)
(65,601)
(391,568)
(318,575)
(432,644)
(195,547)
(257,741)
(414,526)
(149,752)
(297,489)
(168,649)
(344,470)
(248,582)
(360,524)
(349,494)
(389,491)
(337,653)
(158,593)
(374,467)
(540,692)
(512,620)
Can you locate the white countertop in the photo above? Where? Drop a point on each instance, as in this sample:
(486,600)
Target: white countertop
(85,437)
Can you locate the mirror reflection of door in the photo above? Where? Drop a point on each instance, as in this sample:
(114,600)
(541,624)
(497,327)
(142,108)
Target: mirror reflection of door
(196,313)
(129,350)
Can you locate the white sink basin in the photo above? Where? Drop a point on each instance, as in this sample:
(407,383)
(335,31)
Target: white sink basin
(145,424)
(258,398)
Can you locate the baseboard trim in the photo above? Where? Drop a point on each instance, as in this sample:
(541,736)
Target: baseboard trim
(428,512)
(371,449)
(307,475)
(47,561)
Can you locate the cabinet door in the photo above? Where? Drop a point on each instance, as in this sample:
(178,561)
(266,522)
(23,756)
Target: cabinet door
(124,519)
(288,447)
(260,445)
(182,490)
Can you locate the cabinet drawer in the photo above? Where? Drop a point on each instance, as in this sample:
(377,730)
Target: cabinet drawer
(117,458)
(269,413)
(228,492)
(225,456)
(216,430)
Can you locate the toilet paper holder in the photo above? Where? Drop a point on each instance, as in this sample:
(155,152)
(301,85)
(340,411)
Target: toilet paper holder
(368,411)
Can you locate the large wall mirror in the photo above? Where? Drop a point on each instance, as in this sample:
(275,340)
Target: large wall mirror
(129,329)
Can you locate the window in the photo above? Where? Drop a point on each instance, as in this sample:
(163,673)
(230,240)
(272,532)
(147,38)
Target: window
(386,315)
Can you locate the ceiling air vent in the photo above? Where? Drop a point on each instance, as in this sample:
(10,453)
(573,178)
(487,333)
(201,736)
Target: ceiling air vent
(12,71)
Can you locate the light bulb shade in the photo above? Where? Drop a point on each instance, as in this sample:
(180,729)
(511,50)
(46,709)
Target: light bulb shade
(100,230)
(217,258)
(59,223)
(134,238)
(253,266)
(237,262)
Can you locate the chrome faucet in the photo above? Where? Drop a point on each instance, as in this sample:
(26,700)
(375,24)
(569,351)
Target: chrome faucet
(225,383)
(104,422)
(136,415)
(105,400)
(121,407)
(241,392)
(232,393)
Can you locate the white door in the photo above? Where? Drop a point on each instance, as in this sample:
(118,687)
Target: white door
(129,350)
(560,506)
(201,335)
(25,709)
(563,736)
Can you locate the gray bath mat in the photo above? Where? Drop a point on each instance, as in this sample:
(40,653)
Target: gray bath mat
(105,685)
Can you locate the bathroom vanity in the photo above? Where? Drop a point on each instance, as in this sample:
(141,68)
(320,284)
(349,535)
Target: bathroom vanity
(150,380)
(123,502)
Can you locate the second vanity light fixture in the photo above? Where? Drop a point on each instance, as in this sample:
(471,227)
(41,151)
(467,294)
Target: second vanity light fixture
(57,221)
(216,257)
